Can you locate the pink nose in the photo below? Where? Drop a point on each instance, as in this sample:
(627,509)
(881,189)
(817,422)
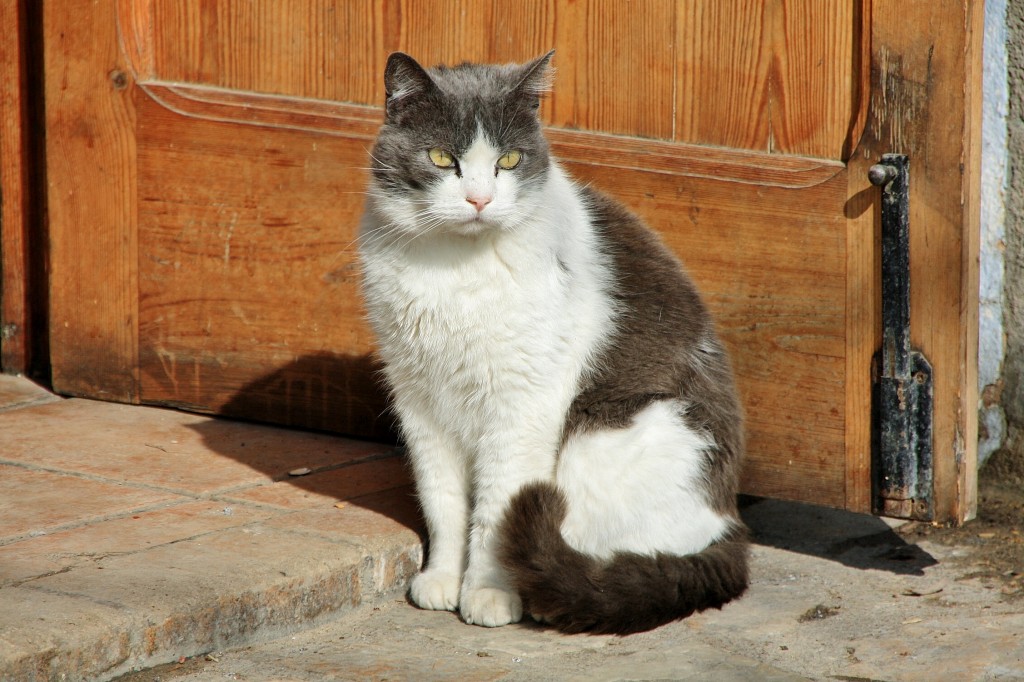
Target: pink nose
(479,202)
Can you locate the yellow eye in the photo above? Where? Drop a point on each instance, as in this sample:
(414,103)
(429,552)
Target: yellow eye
(510,160)
(441,158)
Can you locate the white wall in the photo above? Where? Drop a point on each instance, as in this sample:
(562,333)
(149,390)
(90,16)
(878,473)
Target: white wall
(994,175)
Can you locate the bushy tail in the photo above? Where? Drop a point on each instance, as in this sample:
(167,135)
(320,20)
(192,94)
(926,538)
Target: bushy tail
(628,593)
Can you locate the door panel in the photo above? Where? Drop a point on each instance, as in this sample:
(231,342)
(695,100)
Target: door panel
(778,77)
(218,271)
(246,265)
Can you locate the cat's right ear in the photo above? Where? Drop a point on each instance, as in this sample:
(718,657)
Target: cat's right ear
(404,79)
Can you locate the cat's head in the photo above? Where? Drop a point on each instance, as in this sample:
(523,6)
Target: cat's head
(461,149)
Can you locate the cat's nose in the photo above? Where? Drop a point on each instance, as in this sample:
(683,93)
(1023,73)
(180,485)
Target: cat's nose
(479,202)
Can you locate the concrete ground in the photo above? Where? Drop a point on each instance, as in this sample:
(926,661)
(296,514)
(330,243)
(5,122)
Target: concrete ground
(184,547)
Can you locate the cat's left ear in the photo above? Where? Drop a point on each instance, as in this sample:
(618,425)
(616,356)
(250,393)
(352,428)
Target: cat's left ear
(535,81)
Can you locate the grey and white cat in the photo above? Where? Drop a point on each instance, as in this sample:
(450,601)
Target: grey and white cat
(568,409)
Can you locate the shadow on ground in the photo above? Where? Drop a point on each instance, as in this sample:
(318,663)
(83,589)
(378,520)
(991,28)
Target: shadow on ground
(305,392)
(321,394)
(854,540)
(331,392)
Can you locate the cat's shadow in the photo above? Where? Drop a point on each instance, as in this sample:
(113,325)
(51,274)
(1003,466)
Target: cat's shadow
(855,540)
(322,395)
(307,393)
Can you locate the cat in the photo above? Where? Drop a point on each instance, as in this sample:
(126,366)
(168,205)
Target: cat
(568,409)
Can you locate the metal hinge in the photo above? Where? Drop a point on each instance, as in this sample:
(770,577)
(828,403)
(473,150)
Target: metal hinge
(902,467)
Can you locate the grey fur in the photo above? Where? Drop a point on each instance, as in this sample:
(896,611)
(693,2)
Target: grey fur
(665,346)
(446,106)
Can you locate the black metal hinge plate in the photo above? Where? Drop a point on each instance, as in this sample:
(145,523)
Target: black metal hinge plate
(902,424)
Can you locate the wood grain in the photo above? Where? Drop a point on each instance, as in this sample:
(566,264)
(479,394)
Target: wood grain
(863,279)
(626,84)
(723,73)
(813,83)
(863,324)
(777,77)
(270,111)
(14,197)
(961,499)
(772,76)
(249,300)
(90,158)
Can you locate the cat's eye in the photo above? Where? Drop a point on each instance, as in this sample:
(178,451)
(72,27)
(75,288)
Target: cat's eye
(441,158)
(510,160)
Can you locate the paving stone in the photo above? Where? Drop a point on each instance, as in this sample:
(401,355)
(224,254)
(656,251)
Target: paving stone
(47,636)
(840,607)
(167,449)
(39,502)
(873,628)
(18,392)
(386,525)
(132,536)
(385,516)
(395,641)
(324,489)
(86,545)
(185,598)
(120,546)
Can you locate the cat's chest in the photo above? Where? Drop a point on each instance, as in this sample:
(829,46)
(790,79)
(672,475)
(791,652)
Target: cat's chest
(489,296)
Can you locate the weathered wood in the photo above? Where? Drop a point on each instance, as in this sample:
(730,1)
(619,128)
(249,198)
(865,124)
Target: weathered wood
(90,159)
(624,84)
(780,76)
(957,489)
(863,278)
(249,300)
(14,193)
(925,103)
(617,151)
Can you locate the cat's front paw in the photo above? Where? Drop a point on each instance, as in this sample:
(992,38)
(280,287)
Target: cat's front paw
(490,607)
(435,590)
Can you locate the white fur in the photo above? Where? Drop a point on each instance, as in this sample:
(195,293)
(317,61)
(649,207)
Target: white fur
(637,489)
(485,337)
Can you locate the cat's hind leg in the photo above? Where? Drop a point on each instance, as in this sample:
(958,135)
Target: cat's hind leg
(640,488)
(629,539)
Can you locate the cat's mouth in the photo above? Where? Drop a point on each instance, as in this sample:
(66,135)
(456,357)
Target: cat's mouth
(475,225)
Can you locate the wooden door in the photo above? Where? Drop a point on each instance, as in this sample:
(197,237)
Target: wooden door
(206,163)
(21,265)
